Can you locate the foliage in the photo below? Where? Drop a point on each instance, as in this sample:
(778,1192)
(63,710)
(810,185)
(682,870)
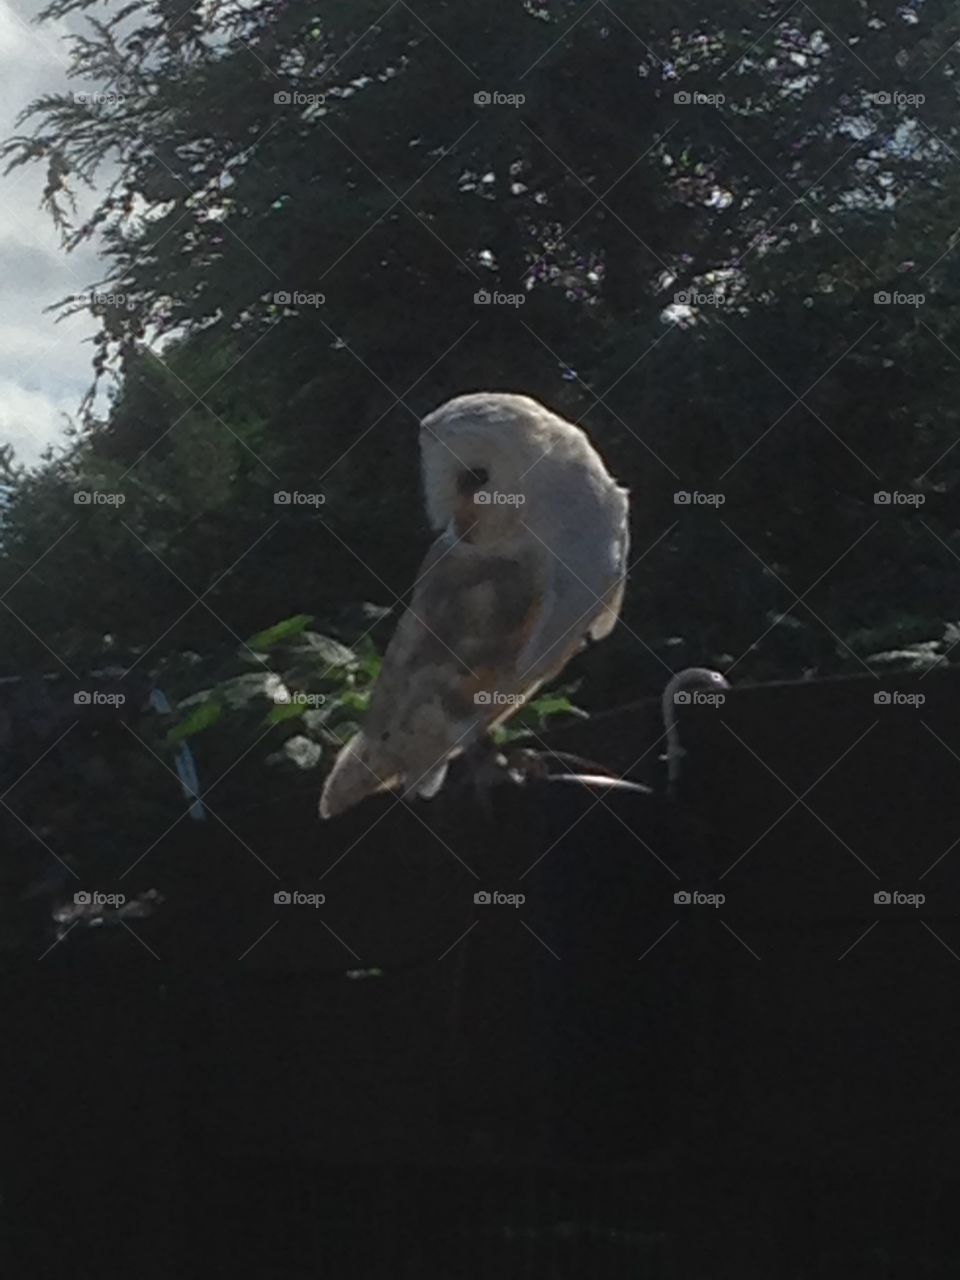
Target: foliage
(782,386)
(311,689)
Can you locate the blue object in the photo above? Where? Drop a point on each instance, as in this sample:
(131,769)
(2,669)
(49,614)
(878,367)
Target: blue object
(183,761)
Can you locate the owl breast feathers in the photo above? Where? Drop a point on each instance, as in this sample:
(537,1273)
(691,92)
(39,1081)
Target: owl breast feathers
(530,560)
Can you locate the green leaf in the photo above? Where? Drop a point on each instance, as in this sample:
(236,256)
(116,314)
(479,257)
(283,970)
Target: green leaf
(509,732)
(285,711)
(370,667)
(202,717)
(280,631)
(556,705)
(355,699)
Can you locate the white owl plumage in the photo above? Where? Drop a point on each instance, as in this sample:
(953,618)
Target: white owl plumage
(530,560)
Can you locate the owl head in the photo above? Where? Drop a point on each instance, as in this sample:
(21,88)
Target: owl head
(487,457)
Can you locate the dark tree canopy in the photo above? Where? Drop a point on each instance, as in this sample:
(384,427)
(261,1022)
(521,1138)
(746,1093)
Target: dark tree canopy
(778,168)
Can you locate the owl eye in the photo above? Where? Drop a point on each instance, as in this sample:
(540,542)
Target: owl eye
(472,480)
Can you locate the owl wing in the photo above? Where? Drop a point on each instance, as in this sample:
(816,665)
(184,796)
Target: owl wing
(450,669)
(606,618)
(584,595)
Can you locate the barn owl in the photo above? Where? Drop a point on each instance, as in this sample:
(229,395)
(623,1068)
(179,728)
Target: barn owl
(530,561)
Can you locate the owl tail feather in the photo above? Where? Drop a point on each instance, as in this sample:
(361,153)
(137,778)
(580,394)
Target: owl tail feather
(351,779)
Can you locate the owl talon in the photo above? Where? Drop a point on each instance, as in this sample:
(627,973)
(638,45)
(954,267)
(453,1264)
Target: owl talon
(544,765)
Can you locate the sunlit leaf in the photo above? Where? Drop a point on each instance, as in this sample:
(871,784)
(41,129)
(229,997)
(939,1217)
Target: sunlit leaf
(284,711)
(355,699)
(202,717)
(280,631)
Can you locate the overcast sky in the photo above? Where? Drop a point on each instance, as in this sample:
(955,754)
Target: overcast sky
(44,367)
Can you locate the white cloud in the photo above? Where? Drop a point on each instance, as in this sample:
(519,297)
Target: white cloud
(30,420)
(45,367)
